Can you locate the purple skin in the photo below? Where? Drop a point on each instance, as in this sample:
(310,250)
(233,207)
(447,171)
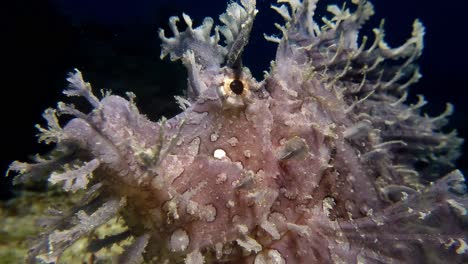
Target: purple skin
(315,164)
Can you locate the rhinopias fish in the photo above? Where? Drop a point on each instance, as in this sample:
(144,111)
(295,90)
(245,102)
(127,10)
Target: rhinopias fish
(322,161)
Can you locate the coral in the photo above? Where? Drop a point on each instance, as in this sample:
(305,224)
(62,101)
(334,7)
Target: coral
(320,162)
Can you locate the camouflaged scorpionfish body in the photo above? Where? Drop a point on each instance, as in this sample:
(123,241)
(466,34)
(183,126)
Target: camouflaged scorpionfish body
(321,162)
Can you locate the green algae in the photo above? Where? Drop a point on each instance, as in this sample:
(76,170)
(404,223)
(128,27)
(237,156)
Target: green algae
(19,225)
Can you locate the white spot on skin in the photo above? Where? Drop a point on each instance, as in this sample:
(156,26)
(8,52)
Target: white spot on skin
(208,213)
(219,154)
(233,141)
(230,204)
(214,137)
(221,178)
(179,241)
(247,153)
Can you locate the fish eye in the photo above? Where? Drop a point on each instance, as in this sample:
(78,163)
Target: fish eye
(236,87)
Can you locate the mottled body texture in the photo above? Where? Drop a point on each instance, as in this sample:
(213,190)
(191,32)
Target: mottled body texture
(321,162)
